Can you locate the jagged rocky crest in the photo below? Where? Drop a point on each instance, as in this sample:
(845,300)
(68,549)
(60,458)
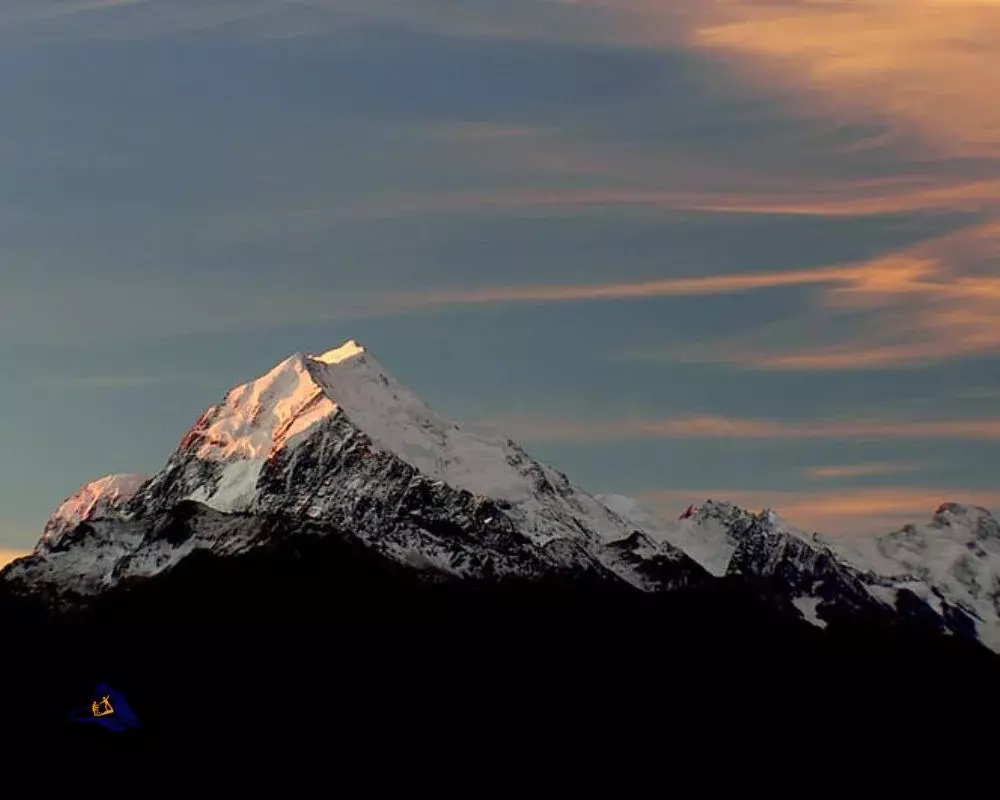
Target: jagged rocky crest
(332,449)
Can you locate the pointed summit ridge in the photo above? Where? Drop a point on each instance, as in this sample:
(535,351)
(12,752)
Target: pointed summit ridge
(348,349)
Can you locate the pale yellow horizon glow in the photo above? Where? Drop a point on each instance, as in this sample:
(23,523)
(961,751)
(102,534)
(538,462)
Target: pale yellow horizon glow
(6,556)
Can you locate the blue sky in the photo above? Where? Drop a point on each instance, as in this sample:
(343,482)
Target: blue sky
(681,249)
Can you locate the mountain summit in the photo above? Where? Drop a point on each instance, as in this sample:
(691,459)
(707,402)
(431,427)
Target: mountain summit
(230,457)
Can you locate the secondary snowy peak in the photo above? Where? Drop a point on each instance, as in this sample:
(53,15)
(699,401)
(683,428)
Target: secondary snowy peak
(95,499)
(709,533)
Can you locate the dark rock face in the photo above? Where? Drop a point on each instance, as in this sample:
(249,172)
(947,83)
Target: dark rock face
(663,567)
(916,613)
(339,476)
(788,567)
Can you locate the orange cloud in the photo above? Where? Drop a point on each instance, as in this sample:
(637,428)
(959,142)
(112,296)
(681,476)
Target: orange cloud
(929,303)
(922,65)
(855,511)
(712,284)
(935,301)
(721,427)
(958,195)
(863,470)
(921,70)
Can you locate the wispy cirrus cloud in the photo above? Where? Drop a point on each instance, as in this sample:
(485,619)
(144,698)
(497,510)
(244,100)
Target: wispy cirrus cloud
(920,310)
(840,471)
(937,301)
(701,426)
(832,199)
(925,69)
(919,70)
(291,19)
(670,287)
(921,65)
(19,14)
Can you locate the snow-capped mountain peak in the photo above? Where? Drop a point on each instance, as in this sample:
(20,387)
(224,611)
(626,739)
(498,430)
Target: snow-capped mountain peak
(308,409)
(95,499)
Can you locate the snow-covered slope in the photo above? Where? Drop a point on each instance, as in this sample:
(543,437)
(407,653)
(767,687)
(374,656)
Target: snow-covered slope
(951,562)
(99,498)
(707,536)
(709,533)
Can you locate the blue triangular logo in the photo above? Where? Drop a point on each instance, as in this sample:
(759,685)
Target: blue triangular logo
(109,709)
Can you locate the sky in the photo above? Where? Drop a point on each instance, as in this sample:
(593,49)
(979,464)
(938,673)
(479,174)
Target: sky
(681,249)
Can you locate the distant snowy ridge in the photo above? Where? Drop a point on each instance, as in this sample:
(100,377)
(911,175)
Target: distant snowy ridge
(952,564)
